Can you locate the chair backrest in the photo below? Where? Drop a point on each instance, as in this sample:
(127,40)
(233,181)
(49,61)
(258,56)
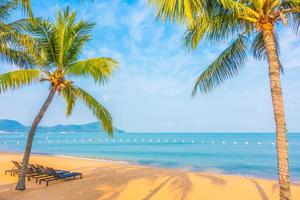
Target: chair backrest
(42,169)
(17,164)
(34,168)
(53,172)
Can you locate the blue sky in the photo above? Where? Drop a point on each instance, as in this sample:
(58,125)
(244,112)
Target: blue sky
(150,91)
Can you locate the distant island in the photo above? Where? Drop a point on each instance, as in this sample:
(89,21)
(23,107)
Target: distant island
(8,125)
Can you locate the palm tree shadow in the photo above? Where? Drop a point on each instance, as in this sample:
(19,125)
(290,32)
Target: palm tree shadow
(260,190)
(153,192)
(214,179)
(105,183)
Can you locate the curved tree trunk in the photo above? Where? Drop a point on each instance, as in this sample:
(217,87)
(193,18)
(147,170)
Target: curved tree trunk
(278,107)
(22,177)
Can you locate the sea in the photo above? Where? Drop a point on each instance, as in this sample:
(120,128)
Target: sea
(246,154)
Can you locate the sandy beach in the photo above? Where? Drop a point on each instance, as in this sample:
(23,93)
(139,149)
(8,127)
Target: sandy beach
(108,181)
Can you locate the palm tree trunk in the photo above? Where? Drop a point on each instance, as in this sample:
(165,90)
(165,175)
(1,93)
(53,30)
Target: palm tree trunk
(278,107)
(38,118)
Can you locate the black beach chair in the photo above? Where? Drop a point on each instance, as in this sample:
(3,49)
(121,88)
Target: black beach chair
(45,174)
(59,176)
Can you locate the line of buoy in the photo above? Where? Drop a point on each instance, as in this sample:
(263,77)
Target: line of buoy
(48,141)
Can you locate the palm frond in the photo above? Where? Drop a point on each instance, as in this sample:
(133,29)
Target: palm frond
(98,110)
(71,35)
(98,68)
(44,34)
(70,95)
(26,6)
(5,8)
(293,6)
(15,57)
(227,65)
(179,10)
(19,78)
(239,8)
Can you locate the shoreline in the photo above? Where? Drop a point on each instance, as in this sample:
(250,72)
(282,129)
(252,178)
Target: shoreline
(124,181)
(124,162)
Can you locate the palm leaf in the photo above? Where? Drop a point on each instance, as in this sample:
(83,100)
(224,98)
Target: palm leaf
(26,6)
(70,95)
(179,10)
(98,68)
(71,35)
(98,110)
(19,78)
(239,8)
(294,15)
(15,57)
(227,65)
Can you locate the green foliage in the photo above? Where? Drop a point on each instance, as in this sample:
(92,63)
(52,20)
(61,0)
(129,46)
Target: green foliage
(13,42)
(98,68)
(58,46)
(69,93)
(227,65)
(223,20)
(177,10)
(26,6)
(98,110)
(19,78)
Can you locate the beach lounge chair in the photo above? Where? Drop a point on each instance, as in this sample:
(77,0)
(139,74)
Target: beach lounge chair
(59,176)
(44,173)
(30,170)
(16,168)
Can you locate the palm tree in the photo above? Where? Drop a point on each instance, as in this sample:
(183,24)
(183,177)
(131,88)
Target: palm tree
(251,26)
(56,62)
(13,41)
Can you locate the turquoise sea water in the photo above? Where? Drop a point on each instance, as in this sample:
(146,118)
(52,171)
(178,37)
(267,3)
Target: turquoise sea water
(252,154)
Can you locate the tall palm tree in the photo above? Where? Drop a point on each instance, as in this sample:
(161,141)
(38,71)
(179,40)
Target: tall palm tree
(58,47)
(250,25)
(13,41)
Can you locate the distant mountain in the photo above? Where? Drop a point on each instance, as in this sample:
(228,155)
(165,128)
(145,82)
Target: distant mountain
(12,125)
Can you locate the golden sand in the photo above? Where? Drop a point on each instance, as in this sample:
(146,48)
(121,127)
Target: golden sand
(108,181)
